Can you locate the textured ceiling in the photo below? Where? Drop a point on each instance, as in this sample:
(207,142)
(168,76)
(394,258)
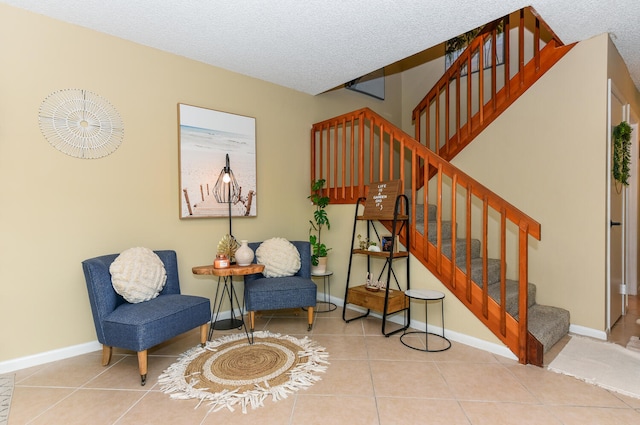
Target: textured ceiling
(316,45)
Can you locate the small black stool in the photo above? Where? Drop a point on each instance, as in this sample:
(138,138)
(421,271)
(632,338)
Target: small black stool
(427,295)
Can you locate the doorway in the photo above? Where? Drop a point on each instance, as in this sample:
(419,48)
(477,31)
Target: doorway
(617,217)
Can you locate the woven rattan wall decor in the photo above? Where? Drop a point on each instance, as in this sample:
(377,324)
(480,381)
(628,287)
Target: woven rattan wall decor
(80,123)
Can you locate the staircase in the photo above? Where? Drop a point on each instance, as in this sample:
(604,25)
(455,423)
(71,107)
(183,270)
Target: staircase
(459,107)
(461,231)
(546,323)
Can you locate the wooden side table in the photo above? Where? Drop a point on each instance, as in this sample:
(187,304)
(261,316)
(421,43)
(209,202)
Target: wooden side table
(226,276)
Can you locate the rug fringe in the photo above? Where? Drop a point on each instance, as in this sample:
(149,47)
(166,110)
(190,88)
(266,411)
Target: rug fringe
(174,382)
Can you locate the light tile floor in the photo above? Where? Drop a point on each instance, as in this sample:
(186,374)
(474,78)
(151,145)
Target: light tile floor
(371,379)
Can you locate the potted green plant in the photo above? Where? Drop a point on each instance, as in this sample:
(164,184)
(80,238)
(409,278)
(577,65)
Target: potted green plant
(319,250)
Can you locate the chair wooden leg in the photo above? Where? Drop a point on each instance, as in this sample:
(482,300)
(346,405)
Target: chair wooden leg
(252,320)
(310,317)
(142,365)
(106,354)
(204,329)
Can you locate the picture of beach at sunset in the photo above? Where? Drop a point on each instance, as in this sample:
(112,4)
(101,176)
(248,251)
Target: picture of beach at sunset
(206,137)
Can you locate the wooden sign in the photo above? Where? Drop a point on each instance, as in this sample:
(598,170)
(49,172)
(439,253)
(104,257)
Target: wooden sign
(381,200)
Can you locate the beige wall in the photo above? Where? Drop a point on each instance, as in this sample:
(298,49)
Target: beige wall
(58,210)
(547,155)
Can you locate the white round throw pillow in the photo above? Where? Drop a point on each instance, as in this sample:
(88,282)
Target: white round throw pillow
(138,274)
(279,256)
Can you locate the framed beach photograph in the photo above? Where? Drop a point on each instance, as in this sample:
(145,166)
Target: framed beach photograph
(212,142)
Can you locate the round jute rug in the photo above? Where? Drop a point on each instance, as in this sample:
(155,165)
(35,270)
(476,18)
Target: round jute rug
(229,371)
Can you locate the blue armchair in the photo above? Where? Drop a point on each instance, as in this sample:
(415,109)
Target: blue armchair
(140,326)
(272,293)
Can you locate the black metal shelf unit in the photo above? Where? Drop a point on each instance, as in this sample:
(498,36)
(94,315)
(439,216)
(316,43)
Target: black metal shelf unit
(390,207)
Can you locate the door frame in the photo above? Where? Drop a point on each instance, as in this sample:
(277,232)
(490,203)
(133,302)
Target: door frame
(611,92)
(632,209)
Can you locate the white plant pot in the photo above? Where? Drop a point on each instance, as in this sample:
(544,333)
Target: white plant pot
(321,267)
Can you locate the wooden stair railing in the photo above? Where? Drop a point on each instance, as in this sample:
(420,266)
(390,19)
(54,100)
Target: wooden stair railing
(352,150)
(458,108)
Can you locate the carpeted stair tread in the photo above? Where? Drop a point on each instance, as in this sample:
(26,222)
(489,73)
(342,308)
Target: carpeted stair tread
(493,274)
(461,250)
(548,324)
(433,231)
(431,213)
(512,295)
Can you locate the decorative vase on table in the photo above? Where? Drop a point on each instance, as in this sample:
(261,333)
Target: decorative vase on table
(244,254)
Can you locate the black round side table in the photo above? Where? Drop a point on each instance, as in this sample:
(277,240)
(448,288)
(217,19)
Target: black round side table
(427,296)
(326,283)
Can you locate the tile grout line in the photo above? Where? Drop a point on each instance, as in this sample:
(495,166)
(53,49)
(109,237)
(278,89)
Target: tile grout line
(373,386)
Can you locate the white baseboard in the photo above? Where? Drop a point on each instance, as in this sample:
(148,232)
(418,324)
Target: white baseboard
(593,333)
(471,341)
(65,353)
(49,356)
(462,339)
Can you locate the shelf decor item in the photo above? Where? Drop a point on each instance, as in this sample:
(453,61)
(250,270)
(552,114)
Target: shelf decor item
(365,243)
(370,283)
(388,242)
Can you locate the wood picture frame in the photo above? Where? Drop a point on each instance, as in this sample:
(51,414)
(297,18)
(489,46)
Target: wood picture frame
(386,241)
(205,138)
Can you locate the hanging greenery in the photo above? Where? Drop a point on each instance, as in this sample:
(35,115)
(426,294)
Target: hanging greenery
(621,152)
